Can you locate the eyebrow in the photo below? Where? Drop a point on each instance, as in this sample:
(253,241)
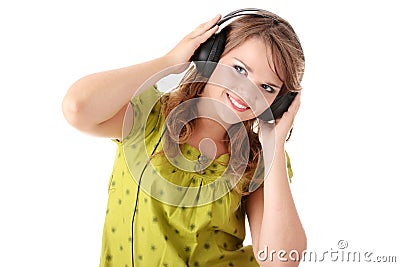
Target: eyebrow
(251,70)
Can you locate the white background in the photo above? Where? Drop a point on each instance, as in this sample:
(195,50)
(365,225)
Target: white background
(54,178)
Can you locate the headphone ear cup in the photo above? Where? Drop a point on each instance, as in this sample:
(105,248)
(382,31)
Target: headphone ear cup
(208,54)
(280,105)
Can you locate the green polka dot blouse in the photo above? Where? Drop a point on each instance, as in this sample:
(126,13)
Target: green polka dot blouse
(183,217)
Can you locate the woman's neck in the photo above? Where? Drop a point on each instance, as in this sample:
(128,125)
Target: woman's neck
(210,137)
(209,128)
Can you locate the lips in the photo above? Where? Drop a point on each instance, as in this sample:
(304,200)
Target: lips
(237,104)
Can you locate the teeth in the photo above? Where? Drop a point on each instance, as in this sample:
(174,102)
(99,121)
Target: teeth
(236,103)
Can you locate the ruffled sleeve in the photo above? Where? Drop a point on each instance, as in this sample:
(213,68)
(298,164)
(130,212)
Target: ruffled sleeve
(146,114)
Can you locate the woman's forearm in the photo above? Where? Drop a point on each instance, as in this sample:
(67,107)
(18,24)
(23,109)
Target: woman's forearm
(281,228)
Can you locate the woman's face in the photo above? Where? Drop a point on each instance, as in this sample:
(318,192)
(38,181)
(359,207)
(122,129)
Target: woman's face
(243,84)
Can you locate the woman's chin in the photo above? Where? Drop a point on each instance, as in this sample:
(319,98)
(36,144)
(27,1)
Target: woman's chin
(229,117)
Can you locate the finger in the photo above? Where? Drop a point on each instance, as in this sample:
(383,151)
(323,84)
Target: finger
(202,38)
(205,27)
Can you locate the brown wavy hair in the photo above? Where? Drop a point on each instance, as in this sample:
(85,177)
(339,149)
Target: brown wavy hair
(288,60)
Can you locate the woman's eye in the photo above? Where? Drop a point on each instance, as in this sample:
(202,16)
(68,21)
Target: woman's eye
(240,69)
(268,88)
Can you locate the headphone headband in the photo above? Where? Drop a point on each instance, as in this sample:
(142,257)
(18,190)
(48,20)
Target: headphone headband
(208,53)
(242,12)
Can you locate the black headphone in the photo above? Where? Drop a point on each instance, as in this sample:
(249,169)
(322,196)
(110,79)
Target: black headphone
(206,58)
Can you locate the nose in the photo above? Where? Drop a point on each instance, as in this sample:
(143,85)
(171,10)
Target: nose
(239,84)
(248,91)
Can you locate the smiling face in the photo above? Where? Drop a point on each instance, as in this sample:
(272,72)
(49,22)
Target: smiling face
(243,84)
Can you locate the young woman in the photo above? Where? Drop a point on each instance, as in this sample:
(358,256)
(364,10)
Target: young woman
(187,160)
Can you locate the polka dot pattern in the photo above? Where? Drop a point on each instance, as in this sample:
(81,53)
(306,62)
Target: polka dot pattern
(168,235)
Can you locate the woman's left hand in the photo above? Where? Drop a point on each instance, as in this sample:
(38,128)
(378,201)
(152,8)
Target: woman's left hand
(282,126)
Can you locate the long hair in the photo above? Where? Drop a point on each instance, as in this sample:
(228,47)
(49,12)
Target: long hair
(288,61)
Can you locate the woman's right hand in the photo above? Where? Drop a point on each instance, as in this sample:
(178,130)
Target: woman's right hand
(183,51)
